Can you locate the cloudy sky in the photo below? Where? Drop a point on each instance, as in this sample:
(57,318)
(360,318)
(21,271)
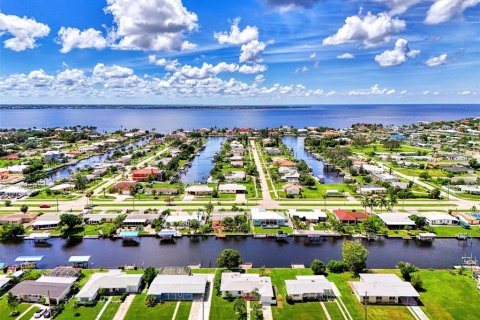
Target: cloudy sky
(240,52)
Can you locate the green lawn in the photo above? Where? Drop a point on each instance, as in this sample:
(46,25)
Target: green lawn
(380,148)
(449,296)
(29,314)
(333,310)
(139,311)
(81,313)
(452,231)
(5,310)
(260,230)
(220,309)
(184,310)
(110,311)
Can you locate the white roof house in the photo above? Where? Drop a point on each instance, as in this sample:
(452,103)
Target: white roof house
(232,188)
(199,189)
(261,217)
(315,215)
(393,219)
(310,287)
(183,218)
(4,280)
(47,221)
(178,287)
(438,218)
(16,191)
(384,288)
(238,284)
(113,281)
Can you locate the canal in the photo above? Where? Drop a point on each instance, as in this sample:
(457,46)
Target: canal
(442,253)
(199,171)
(297,145)
(66,171)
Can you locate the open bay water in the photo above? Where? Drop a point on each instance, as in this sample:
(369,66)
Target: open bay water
(168,119)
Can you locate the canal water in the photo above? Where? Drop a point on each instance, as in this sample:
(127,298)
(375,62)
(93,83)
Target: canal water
(297,144)
(203,162)
(66,171)
(442,253)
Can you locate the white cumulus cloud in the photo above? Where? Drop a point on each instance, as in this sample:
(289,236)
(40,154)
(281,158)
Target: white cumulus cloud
(400,54)
(437,61)
(71,38)
(345,56)
(251,50)
(370,29)
(23,31)
(151,25)
(444,10)
(252,69)
(374,90)
(399,6)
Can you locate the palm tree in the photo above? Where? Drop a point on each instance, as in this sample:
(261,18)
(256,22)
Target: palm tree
(372,203)
(365,202)
(383,203)
(393,201)
(240,308)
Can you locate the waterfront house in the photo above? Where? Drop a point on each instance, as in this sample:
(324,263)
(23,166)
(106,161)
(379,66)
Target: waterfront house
(184,219)
(139,219)
(235,176)
(53,155)
(47,221)
(284,163)
(384,289)
(313,216)
(396,220)
(236,284)
(438,218)
(143,175)
(178,287)
(310,288)
(273,151)
(17,218)
(53,289)
(98,218)
(473,219)
(4,281)
(200,190)
(350,217)
(291,176)
(112,282)
(232,188)
(267,219)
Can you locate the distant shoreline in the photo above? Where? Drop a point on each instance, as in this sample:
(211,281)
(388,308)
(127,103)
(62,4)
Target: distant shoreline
(200,107)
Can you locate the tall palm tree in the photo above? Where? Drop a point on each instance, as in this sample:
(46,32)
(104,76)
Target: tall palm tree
(393,201)
(364,203)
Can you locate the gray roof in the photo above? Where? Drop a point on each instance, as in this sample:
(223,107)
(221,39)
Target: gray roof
(383,285)
(178,284)
(113,279)
(30,287)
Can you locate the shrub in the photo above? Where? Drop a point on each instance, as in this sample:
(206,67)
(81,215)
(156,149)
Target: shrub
(337,266)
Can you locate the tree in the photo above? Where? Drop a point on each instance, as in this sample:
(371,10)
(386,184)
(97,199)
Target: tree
(435,194)
(355,256)
(424,175)
(10,231)
(337,266)
(80,182)
(229,258)
(406,269)
(8,203)
(417,282)
(420,222)
(12,301)
(149,274)
(150,301)
(69,220)
(318,267)
(24,208)
(240,308)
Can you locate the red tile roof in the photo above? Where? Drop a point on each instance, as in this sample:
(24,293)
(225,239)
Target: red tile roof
(350,215)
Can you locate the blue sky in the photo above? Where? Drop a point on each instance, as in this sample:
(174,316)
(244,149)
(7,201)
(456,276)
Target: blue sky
(240,52)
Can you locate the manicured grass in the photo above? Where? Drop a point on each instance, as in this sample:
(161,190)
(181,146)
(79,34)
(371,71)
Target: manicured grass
(447,231)
(5,310)
(380,148)
(81,313)
(110,311)
(183,310)
(260,230)
(448,295)
(29,314)
(139,311)
(333,310)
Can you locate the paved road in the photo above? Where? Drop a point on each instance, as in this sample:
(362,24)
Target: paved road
(267,201)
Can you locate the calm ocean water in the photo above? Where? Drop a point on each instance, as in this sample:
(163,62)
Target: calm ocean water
(337,116)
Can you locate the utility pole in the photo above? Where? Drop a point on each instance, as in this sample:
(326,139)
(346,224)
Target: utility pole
(366,306)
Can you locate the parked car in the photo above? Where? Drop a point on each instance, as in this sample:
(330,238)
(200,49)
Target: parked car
(39,313)
(44,206)
(47,314)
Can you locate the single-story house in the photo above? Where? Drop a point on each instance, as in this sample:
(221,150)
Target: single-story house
(236,284)
(17,218)
(161,191)
(47,221)
(232,188)
(97,218)
(144,174)
(15,191)
(350,217)
(140,219)
(183,219)
(178,287)
(113,281)
(371,190)
(292,189)
(467,218)
(4,281)
(123,187)
(198,190)
(53,289)
(396,219)
(264,218)
(273,151)
(438,218)
(310,288)
(384,289)
(235,176)
(314,216)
